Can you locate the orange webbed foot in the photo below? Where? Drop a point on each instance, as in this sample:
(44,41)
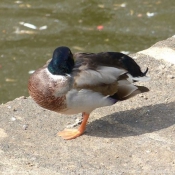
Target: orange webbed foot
(68,134)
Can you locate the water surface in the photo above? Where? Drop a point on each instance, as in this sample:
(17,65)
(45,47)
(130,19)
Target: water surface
(85,25)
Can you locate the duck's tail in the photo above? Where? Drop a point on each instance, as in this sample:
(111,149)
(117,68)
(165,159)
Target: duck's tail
(142,77)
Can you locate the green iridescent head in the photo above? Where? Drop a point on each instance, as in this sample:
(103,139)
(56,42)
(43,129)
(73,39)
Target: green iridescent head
(62,61)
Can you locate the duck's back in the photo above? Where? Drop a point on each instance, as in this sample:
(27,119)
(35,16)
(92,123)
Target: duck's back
(108,73)
(92,61)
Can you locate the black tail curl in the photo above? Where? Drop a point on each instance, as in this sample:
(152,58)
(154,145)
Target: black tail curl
(144,73)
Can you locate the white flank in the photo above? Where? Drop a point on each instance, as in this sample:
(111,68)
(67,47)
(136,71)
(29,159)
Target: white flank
(85,101)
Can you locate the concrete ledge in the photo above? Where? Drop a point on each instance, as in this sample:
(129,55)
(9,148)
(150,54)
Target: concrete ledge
(136,136)
(164,50)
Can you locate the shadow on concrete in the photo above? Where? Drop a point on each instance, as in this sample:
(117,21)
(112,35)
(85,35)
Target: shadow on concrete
(133,122)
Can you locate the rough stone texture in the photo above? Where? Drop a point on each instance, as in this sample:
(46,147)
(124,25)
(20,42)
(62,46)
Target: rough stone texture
(136,136)
(164,50)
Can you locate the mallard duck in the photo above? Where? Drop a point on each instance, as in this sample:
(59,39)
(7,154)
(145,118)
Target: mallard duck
(81,82)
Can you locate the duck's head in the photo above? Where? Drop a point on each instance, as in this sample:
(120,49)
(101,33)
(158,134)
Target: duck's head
(62,61)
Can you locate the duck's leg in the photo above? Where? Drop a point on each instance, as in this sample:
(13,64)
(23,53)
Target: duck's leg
(73,133)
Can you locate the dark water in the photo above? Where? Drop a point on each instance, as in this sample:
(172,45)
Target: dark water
(83,25)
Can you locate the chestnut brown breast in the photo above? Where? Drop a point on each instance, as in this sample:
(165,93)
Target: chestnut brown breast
(42,89)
